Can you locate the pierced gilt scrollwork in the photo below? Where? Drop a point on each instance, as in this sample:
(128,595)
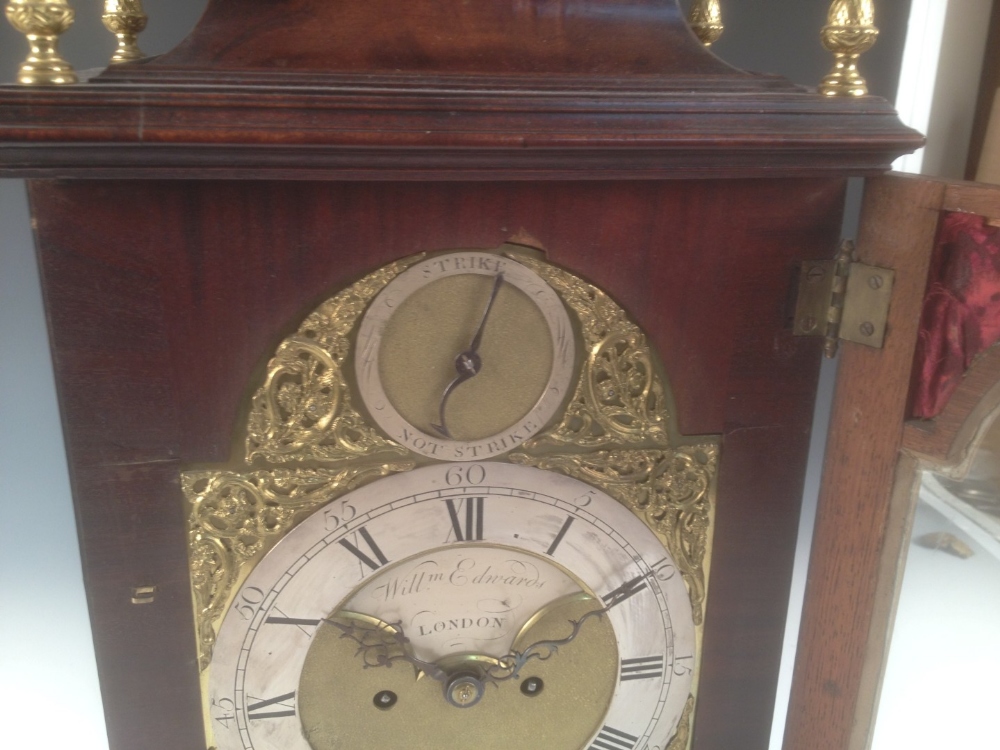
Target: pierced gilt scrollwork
(235,518)
(303,410)
(618,398)
(682,738)
(669,489)
(616,433)
(306,444)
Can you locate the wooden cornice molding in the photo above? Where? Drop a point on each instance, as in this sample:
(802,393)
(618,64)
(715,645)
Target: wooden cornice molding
(441,89)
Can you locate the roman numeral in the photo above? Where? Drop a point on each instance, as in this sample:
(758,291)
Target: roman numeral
(284,705)
(613,739)
(625,591)
(363,557)
(559,536)
(473,527)
(642,668)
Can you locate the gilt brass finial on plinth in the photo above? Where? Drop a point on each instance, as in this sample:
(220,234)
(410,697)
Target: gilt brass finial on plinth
(126,20)
(849,31)
(42,21)
(705,19)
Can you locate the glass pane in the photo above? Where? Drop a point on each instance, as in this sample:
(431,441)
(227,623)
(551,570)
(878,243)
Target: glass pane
(942,681)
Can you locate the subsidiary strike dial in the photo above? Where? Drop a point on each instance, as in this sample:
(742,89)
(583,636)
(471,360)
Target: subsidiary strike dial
(464,356)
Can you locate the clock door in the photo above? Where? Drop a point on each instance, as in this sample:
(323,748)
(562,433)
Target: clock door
(877,449)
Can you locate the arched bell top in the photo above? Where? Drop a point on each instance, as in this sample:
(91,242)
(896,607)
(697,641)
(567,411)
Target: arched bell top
(588,37)
(445,90)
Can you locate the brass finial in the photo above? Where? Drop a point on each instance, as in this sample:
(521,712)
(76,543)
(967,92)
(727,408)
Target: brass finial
(42,21)
(126,20)
(705,18)
(849,31)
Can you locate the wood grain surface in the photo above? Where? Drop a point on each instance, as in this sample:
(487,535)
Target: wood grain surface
(166,299)
(570,36)
(197,206)
(408,127)
(856,540)
(441,89)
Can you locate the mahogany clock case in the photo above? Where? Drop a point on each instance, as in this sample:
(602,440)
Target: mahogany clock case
(160,322)
(688,190)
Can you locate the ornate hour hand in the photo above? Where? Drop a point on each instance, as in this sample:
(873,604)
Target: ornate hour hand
(382,644)
(467,363)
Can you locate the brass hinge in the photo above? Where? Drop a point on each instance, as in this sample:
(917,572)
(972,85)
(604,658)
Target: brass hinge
(842,299)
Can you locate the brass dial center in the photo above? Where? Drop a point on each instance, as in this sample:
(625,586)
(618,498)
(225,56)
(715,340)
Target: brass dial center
(579,680)
(464,690)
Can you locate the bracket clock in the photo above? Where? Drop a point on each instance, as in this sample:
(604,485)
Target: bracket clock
(428,369)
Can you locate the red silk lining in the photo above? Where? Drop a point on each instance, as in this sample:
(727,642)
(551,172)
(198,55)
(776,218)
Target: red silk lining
(961,315)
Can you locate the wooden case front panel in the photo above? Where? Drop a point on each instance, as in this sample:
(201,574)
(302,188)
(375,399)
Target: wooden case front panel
(166,299)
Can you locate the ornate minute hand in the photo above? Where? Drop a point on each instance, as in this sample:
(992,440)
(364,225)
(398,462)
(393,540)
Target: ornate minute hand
(467,363)
(385,644)
(510,665)
(513,662)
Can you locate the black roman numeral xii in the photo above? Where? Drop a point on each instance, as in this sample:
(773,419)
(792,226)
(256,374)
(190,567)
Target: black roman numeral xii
(472,510)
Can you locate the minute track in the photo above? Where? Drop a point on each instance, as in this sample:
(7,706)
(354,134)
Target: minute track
(404,516)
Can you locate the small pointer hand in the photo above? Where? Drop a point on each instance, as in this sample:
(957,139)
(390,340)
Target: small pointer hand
(467,363)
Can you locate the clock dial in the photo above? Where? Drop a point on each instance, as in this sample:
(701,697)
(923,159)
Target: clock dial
(506,603)
(464,356)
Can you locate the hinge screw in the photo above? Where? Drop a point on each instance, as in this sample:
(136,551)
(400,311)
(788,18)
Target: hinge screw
(867,329)
(815,274)
(808,323)
(875,282)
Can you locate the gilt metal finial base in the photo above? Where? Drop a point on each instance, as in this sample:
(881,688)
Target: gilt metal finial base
(850,31)
(705,19)
(126,20)
(42,21)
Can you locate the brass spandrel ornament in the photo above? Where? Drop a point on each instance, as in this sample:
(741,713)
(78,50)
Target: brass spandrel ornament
(682,740)
(234,519)
(621,401)
(303,411)
(329,472)
(618,399)
(671,490)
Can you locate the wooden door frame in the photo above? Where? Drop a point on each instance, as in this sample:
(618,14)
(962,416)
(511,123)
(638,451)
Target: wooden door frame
(871,472)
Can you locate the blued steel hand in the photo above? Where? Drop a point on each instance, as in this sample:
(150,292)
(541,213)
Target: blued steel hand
(467,363)
(510,665)
(384,644)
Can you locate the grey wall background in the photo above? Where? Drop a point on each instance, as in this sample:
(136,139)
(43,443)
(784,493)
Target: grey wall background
(49,695)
